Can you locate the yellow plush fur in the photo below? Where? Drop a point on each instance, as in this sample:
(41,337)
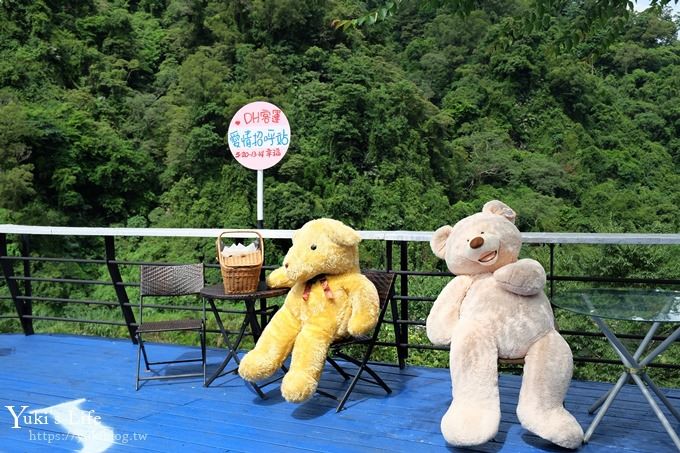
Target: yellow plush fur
(349,306)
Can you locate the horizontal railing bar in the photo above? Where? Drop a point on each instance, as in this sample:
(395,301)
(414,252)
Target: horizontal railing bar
(411,236)
(660,281)
(68,301)
(627,336)
(193,308)
(9,317)
(576,359)
(52,259)
(415,298)
(87,321)
(61,280)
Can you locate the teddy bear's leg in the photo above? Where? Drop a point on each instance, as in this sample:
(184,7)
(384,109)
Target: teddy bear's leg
(475,413)
(306,365)
(547,373)
(272,348)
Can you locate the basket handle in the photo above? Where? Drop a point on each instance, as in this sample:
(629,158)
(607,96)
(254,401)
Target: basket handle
(218,242)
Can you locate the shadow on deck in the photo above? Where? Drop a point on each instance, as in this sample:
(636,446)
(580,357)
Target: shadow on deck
(87,386)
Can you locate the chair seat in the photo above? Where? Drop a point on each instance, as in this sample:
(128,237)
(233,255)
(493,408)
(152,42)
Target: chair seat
(347,341)
(175,324)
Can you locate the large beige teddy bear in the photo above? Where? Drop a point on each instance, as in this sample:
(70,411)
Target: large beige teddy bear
(329,299)
(495,307)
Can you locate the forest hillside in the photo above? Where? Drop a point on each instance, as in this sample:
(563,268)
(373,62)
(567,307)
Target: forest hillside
(115,113)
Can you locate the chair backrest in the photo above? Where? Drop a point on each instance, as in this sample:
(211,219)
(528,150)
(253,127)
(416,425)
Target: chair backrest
(384,283)
(171,280)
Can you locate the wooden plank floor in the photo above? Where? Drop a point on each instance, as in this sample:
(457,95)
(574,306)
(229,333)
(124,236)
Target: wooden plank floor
(92,381)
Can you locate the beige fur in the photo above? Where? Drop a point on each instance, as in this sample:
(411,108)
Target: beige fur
(307,327)
(495,307)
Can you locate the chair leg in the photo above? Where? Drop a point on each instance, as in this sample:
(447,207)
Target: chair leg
(203,351)
(338,368)
(139,351)
(141,345)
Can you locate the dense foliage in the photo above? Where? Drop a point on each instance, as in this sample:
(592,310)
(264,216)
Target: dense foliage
(115,112)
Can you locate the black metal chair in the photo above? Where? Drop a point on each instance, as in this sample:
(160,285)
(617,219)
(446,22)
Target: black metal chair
(171,280)
(384,283)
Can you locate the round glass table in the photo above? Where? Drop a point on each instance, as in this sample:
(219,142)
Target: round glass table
(650,306)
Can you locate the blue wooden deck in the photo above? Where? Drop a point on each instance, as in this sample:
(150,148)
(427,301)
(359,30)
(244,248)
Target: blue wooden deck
(93,381)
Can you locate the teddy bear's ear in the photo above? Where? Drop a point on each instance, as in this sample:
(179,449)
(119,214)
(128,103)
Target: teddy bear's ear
(341,234)
(438,241)
(501,209)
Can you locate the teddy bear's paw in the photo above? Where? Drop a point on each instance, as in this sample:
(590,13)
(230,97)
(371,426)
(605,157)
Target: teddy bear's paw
(297,387)
(557,425)
(254,367)
(470,424)
(360,325)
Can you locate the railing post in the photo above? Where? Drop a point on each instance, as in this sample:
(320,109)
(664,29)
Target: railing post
(403,350)
(28,285)
(389,266)
(117,280)
(552,270)
(22,308)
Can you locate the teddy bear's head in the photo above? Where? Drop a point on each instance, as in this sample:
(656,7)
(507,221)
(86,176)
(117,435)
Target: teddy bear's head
(480,243)
(322,246)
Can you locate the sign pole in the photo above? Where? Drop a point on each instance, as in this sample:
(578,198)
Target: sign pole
(260,199)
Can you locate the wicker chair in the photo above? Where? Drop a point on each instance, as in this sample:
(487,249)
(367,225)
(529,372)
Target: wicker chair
(171,280)
(384,283)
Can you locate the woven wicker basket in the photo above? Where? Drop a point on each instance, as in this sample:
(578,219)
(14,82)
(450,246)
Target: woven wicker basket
(240,273)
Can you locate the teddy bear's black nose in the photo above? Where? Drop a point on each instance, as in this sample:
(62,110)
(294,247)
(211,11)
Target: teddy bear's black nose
(477,242)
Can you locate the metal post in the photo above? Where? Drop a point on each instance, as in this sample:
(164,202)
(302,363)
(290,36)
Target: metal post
(389,265)
(20,306)
(28,285)
(117,280)
(404,295)
(552,270)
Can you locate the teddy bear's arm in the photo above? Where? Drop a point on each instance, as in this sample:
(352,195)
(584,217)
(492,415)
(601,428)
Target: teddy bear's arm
(446,310)
(525,277)
(364,300)
(279,279)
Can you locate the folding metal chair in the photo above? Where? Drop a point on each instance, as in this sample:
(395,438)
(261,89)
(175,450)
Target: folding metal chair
(171,280)
(384,283)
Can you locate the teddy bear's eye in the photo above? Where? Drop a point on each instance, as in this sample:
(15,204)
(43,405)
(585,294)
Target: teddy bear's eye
(481,232)
(313,247)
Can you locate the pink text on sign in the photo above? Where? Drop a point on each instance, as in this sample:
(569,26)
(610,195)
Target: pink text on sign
(259,135)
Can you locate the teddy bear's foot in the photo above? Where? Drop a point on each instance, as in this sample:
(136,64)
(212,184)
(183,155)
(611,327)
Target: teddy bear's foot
(556,425)
(470,424)
(254,366)
(297,387)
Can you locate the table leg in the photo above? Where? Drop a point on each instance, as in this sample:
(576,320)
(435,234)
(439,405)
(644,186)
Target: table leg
(232,353)
(634,370)
(657,410)
(255,328)
(641,348)
(223,331)
(661,395)
(605,407)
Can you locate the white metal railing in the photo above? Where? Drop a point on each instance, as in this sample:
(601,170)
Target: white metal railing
(412,236)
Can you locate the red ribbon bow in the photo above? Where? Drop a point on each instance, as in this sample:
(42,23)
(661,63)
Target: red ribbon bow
(324,284)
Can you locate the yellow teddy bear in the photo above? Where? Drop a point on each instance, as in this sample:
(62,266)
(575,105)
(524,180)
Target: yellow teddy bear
(329,299)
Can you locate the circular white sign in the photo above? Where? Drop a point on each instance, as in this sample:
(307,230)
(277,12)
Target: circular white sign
(259,135)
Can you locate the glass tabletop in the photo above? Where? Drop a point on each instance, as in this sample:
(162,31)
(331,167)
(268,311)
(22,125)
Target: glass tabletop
(647,305)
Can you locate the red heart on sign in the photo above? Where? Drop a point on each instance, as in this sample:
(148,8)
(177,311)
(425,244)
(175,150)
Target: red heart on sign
(237,123)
